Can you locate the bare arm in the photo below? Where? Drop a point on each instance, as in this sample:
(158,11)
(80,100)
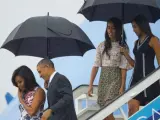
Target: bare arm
(127,56)
(97,64)
(155,44)
(39,98)
(124,74)
(129,59)
(93,75)
(123,82)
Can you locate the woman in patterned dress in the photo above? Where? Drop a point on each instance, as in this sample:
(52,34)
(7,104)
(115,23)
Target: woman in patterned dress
(113,65)
(30,95)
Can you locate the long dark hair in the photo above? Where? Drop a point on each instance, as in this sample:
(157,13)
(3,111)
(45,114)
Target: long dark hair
(118,26)
(143,24)
(28,76)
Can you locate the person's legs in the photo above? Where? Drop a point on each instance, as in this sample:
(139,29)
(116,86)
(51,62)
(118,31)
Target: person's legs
(133,106)
(110,117)
(105,118)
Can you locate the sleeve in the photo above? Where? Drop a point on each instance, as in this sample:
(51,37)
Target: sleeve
(98,58)
(64,89)
(124,64)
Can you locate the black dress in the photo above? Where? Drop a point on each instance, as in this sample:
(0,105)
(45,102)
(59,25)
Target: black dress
(144,64)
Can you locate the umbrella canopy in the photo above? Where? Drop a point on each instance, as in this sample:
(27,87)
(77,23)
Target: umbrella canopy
(48,37)
(126,10)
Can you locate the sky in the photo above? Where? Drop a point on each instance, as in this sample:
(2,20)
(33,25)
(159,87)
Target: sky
(77,69)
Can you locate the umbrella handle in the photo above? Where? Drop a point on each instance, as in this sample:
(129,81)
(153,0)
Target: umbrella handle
(122,41)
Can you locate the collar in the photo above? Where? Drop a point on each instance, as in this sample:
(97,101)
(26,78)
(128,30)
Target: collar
(51,77)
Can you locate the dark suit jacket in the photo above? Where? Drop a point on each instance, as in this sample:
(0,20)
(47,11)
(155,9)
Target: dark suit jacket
(60,99)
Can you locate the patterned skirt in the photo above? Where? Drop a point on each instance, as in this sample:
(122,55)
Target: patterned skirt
(109,85)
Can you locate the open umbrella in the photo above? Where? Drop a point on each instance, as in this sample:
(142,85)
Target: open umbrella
(126,10)
(48,37)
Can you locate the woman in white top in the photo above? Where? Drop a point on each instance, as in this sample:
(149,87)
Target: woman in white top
(114,65)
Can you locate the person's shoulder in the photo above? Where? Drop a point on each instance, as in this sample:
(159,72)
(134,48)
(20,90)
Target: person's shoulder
(63,78)
(59,75)
(101,45)
(135,42)
(154,40)
(39,89)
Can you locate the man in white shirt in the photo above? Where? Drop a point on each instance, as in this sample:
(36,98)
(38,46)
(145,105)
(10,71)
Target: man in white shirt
(59,94)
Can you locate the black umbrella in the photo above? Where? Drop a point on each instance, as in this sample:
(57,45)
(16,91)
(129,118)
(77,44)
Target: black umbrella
(126,10)
(48,37)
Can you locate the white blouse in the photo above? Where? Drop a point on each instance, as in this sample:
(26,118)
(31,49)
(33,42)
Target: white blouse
(116,59)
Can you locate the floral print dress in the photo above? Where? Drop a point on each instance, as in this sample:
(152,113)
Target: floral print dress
(28,99)
(110,78)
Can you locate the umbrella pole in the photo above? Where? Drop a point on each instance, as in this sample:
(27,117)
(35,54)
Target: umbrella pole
(122,42)
(48,41)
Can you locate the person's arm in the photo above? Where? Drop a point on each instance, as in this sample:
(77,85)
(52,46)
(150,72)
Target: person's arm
(93,74)
(97,64)
(155,44)
(64,89)
(39,98)
(125,52)
(124,66)
(130,60)
(123,82)
(92,78)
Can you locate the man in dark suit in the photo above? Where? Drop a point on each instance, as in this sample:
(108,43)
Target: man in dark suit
(59,94)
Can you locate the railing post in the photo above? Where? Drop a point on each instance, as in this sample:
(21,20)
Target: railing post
(123,113)
(87,101)
(128,95)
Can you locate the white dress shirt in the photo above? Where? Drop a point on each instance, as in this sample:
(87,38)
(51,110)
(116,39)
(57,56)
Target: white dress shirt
(51,77)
